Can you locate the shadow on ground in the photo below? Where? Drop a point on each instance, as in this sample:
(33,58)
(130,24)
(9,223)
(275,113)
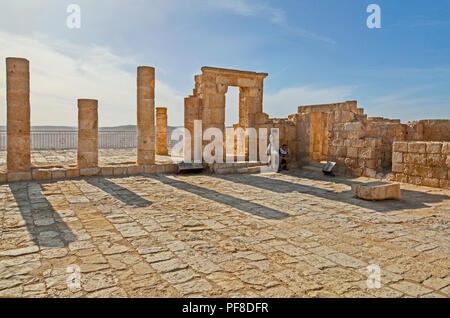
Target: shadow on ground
(243,205)
(43,223)
(120,193)
(410,199)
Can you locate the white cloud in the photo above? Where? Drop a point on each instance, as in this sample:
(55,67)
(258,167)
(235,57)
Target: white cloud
(62,72)
(253,8)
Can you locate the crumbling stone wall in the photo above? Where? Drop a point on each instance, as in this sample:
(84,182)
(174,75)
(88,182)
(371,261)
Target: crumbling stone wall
(428,130)
(422,163)
(287,131)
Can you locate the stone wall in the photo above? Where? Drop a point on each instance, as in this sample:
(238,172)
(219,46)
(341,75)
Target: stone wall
(422,163)
(428,130)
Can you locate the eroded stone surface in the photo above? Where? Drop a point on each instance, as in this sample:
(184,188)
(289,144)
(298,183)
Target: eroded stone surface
(281,235)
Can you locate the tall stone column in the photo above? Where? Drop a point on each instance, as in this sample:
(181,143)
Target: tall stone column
(145,115)
(161,131)
(18,114)
(87,133)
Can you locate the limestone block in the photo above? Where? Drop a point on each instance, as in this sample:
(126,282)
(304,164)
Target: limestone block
(445,184)
(377,191)
(41,174)
(431,182)
(14,176)
(72,173)
(58,174)
(397,167)
(341,152)
(150,169)
(3,177)
(352,152)
(246,82)
(88,172)
(439,173)
(417,147)
(399,177)
(135,170)
(446,148)
(415,180)
(107,171)
(434,147)
(436,160)
(415,158)
(120,170)
(397,157)
(400,146)
(367,153)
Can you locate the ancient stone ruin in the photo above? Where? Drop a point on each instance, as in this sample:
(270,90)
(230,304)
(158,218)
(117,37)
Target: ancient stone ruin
(417,152)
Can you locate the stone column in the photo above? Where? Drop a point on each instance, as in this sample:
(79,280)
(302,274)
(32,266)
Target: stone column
(146,115)
(18,114)
(161,131)
(87,133)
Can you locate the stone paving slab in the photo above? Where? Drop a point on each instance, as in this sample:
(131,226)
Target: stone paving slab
(298,234)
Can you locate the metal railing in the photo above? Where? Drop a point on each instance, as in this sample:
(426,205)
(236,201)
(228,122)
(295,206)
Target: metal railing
(65,140)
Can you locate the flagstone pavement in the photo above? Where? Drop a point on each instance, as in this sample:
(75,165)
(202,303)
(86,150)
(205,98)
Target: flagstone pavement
(297,234)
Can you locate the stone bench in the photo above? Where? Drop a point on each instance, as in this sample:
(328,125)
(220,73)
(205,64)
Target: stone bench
(377,191)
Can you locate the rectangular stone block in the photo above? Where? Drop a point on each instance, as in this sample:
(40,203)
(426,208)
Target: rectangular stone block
(397,157)
(436,160)
(400,146)
(88,172)
(72,173)
(377,192)
(14,176)
(352,152)
(399,177)
(135,170)
(439,173)
(58,174)
(397,167)
(434,147)
(430,182)
(415,158)
(120,170)
(445,184)
(3,177)
(417,147)
(41,174)
(446,148)
(106,171)
(150,169)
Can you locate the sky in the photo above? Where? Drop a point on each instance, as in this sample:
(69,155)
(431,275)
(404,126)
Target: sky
(315,51)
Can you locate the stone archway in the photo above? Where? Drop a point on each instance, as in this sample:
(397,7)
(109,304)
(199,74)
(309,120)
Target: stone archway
(208,100)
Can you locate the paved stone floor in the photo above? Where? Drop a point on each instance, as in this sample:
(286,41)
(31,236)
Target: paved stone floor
(67,158)
(281,235)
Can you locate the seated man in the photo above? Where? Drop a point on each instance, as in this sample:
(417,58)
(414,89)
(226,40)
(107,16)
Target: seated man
(284,157)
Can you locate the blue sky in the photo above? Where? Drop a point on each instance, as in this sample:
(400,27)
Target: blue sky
(314,51)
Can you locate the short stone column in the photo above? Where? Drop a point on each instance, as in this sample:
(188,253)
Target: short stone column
(161,131)
(87,133)
(145,115)
(18,114)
